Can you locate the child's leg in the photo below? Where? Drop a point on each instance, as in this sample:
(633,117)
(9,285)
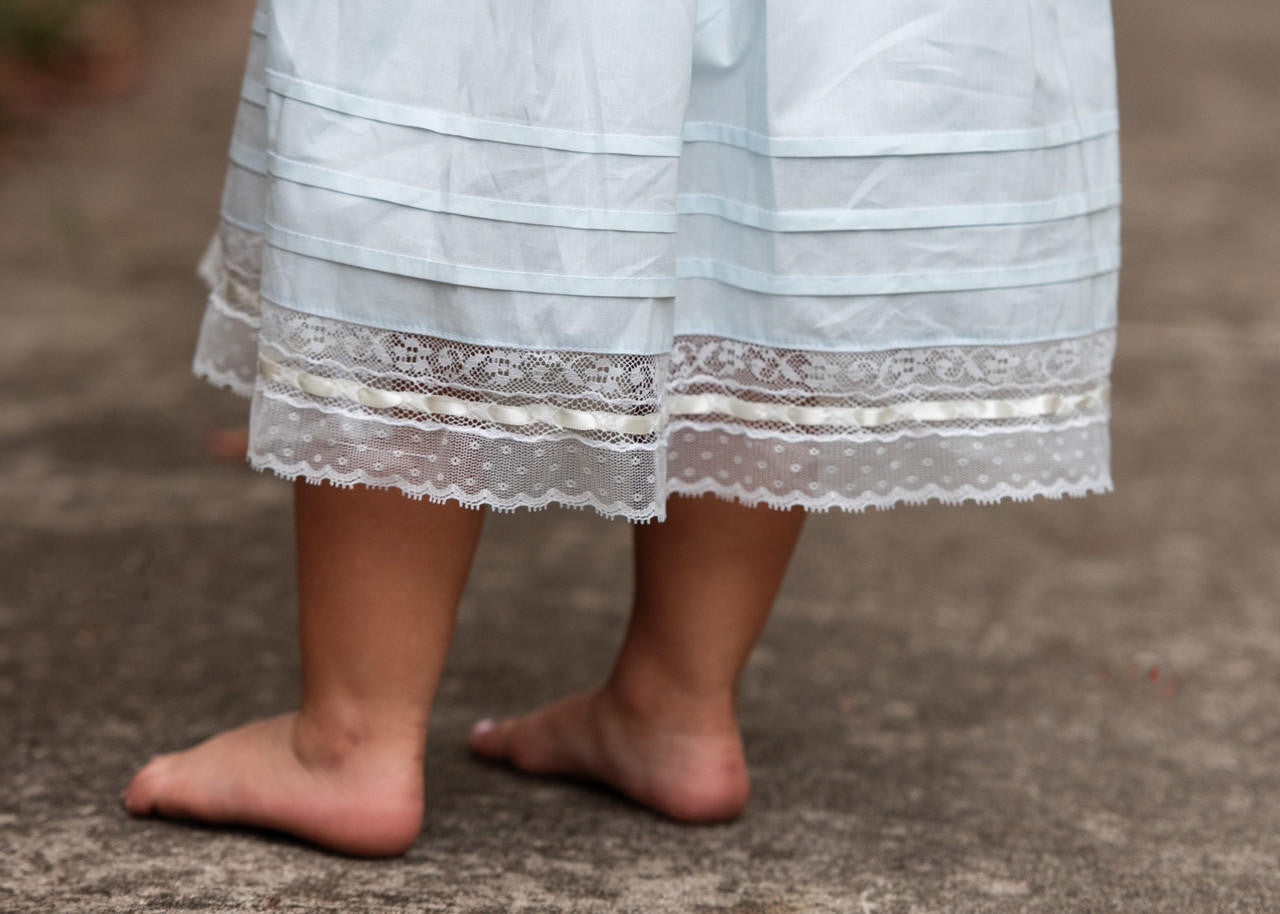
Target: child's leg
(379,577)
(663,728)
(228,443)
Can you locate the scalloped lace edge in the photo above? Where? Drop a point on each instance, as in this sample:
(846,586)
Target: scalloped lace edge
(486,498)
(226,380)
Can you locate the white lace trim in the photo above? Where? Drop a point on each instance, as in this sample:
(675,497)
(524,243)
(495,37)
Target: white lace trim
(405,361)
(903,496)
(476,469)
(798,435)
(512,427)
(232,267)
(227,348)
(485,499)
(678,405)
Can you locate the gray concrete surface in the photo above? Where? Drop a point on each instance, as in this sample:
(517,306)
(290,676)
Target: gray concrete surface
(953,709)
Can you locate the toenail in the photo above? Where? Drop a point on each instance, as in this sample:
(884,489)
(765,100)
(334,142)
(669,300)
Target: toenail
(482,727)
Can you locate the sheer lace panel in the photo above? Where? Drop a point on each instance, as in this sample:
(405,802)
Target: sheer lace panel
(510,427)
(504,473)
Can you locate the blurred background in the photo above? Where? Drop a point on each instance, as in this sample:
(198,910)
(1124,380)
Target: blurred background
(56,51)
(1049,706)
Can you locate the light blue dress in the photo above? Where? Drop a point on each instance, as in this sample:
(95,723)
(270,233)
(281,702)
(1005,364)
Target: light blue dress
(596,252)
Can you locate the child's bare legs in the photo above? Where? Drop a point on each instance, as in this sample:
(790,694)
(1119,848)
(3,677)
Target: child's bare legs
(228,443)
(379,578)
(663,728)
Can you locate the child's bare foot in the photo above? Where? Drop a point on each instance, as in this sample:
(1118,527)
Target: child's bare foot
(692,773)
(356,796)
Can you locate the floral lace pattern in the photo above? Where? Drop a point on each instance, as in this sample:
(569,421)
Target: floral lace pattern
(893,375)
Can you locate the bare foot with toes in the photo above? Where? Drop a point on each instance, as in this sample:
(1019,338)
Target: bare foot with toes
(362,799)
(692,775)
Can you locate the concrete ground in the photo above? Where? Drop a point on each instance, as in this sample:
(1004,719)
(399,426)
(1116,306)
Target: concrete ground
(1048,707)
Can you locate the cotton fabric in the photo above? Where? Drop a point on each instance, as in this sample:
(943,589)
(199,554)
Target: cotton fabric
(596,252)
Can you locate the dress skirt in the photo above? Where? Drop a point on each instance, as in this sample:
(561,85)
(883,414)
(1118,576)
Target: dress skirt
(597,252)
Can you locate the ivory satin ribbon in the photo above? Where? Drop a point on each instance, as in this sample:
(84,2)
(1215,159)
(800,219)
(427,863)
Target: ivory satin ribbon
(683,405)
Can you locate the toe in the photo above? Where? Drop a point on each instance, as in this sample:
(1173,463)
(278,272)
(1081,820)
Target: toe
(140,795)
(487,738)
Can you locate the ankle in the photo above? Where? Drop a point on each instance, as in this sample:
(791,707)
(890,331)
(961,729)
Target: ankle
(335,735)
(663,701)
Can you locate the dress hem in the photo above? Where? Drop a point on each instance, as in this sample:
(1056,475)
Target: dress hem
(734,494)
